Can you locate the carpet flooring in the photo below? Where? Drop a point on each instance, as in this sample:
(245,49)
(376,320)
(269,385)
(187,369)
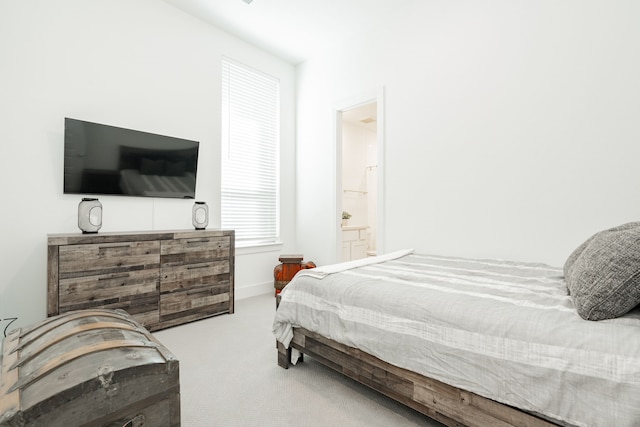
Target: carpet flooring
(229,376)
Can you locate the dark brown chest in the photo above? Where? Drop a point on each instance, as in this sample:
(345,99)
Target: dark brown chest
(88,368)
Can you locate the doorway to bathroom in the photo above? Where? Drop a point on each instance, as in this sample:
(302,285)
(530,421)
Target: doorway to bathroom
(358,154)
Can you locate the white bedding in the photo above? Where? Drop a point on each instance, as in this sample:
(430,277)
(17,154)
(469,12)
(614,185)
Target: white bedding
(504,330)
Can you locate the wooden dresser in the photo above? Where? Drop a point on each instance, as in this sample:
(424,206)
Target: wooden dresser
(161,278)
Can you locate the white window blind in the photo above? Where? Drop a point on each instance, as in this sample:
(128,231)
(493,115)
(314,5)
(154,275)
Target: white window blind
(250,148)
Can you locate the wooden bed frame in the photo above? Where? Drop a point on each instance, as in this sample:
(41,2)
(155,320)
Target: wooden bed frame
(449,405)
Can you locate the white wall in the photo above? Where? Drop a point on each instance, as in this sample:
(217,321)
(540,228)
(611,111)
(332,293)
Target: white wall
(511,127)
(139,64)
(354,173)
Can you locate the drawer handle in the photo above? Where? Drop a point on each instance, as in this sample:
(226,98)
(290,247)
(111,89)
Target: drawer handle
(124,245)
(197,267)
(115,276)
(201,240)
(206,291)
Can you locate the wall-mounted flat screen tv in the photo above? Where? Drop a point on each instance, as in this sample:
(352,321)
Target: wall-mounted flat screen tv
(102,159)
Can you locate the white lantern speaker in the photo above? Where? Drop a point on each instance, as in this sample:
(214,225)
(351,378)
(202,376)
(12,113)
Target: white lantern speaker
(200,215)
(89,215)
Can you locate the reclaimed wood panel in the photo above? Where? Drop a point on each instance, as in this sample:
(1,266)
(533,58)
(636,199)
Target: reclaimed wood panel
(111,237)
(96,259)
(184,277)
(218,247)
(185,301)
(182,317)
(89,289)
(143,308)
(447,404)
(53,279)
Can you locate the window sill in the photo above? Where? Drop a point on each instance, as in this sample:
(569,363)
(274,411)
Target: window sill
(258,248)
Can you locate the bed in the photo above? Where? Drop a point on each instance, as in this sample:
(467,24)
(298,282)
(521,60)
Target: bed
(473,342)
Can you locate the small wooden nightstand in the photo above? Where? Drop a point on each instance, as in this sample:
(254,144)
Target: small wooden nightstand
(284,272)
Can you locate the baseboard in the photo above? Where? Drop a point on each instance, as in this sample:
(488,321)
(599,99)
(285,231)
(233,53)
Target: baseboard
(254,290)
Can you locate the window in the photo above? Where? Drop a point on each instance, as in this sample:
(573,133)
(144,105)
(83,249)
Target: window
(250,153)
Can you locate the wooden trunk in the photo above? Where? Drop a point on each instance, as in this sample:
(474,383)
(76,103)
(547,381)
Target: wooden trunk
(88,368)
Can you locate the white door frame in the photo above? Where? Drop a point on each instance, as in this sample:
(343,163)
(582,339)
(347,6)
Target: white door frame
(376,96)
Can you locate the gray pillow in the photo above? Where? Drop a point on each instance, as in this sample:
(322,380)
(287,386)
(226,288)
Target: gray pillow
(568,265)
(603,274)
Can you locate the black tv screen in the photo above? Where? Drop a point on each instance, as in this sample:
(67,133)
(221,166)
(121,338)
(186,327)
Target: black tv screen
(102,159)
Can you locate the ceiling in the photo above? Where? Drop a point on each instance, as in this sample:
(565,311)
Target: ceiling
(365,116)
(294,30)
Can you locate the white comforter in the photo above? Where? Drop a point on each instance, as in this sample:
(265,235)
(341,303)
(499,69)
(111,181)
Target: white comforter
(504,330)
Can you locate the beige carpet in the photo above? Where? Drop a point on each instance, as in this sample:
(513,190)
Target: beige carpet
(229,377)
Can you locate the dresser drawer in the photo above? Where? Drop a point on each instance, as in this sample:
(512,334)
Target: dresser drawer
(185,277)
(195,250)
(213,299)
(105,258)
(94,289)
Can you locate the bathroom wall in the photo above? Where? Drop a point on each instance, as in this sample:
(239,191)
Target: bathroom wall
(359,177)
